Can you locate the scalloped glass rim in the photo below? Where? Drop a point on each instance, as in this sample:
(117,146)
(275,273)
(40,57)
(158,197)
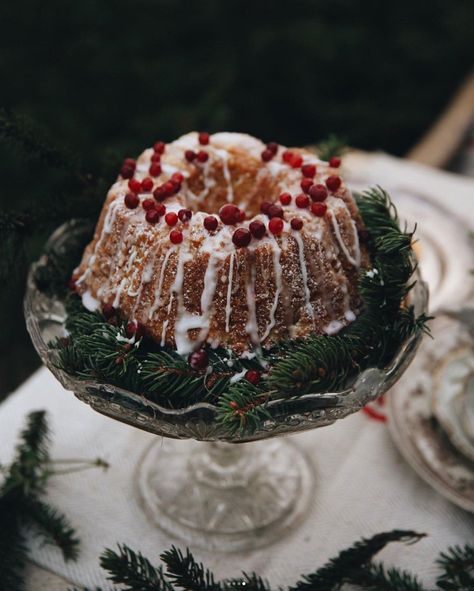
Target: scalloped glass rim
(45,317)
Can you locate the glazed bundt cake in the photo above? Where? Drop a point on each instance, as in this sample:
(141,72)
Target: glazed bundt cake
(221,239)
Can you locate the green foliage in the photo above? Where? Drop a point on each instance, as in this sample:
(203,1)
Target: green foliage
(186,573)
(23,510)
(133,570)
(100,349)
(350,561)
(458,569)
(353,566)
(332,146)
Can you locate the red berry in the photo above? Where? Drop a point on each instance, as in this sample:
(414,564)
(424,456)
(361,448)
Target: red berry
(285,199)
(159,147)
(203,138)
(243,215)
(177,177)
(308,170)
(273,147)
(335,162)
(275,211)
(302,201)
(202,156)
(152,216)
(319,209)
(148,204)
(296,161)
(147,185)
(170,188)
(171,218)
(176,236)
(134,185)
(229,214)
(211,223)
(108,310)
(287,156)
(257,229)
(275,225)
(160,208)
(296,223)
(306,184)
(156,157)
(241,237)
(333,182)
(265,206)
(252,376)
(185,214)
(198,359)
(318,192)
(127,171)
(267,155)
(160,193)
(134,328)
(155,169)
(131,200)
(190,155)
(130,162)
(72,283)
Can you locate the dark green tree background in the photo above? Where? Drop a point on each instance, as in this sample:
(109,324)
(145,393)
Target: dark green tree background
(110,77)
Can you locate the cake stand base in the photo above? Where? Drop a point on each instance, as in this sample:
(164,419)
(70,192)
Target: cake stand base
(224,497)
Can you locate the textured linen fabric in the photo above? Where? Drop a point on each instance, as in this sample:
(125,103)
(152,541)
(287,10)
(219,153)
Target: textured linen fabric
(363,486)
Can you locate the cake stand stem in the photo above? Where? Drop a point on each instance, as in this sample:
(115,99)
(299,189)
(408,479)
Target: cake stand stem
(225,497)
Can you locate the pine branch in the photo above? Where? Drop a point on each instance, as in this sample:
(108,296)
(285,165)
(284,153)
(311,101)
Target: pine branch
(133,570)
(13,554)
(188,574)
(53,527)
(242,408)
(458,565)
(27,472)
(247,582)
(334,145)
(374,577)
(340,569)
(19,134)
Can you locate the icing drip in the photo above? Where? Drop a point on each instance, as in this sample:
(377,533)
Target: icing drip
(157,300)
(278,286)
(118,295)
(207,296)
(252,326)
(106,229)
(228,305)
(225,169)
(184,321)
(353,260)
(304,274)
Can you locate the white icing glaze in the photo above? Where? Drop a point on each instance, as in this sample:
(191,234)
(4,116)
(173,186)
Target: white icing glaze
(354,260)
(277,271)
(89,302)
(228,304)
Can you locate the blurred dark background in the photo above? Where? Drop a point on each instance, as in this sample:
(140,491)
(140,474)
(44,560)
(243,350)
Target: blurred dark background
(105,78)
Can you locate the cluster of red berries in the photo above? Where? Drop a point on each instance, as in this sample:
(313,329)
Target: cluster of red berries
(201,156)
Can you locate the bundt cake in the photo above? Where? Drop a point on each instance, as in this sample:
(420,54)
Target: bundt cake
(221,239)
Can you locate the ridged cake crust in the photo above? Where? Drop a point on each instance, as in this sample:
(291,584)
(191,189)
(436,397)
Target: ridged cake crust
(207,290)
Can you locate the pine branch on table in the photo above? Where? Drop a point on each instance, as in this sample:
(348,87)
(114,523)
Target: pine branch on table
(133,570)
(185,573)
(458,566)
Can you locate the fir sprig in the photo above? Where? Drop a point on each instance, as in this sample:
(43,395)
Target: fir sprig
(319,363)
(333,145)
(353,566)
(22,508)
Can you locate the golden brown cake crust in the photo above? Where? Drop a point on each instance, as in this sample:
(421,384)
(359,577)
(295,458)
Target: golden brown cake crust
(207,288)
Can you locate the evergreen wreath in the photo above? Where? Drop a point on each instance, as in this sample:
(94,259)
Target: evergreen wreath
(100,346)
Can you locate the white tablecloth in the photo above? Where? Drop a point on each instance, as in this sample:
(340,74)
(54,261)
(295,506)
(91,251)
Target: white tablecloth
(363,485)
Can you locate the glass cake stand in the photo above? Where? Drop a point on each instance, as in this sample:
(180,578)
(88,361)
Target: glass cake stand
(195,485)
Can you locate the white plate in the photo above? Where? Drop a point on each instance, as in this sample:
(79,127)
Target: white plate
(413,426)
